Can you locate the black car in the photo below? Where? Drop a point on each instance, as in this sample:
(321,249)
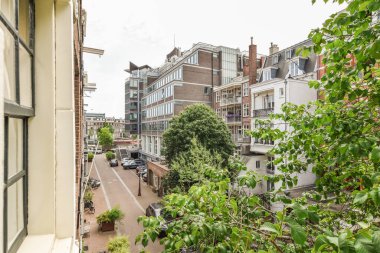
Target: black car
(156,210)
(114,163)
(130,165)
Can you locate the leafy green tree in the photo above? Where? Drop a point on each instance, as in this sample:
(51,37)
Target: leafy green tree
(105,138)
(197,121)
(338,137)
(195,166)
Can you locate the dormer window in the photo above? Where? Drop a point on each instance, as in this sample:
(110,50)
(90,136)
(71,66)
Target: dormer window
(275,59)
(289,54)
(297,66)
(269,73)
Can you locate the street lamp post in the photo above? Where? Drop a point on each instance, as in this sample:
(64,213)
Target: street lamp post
(139,193)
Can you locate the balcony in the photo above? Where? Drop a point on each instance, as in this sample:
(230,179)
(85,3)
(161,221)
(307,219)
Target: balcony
(238,138)
(270,171)
(232,119)
(262,112)
(264,142)
(230,101)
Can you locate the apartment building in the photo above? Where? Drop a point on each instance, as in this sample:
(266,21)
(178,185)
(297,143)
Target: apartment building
(95,121)
(134,89)
(40,44)
(232,100)
(184,79)
(283,78)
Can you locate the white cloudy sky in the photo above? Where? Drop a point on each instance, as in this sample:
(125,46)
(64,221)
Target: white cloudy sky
(142,31)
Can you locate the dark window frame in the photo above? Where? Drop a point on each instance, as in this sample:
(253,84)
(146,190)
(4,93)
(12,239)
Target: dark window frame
(14,110)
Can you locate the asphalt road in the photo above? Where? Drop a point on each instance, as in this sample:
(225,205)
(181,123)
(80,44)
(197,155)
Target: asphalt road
(119,187)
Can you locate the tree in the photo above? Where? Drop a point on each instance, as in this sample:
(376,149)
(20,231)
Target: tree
(119,244)
(195,166)
(197,121)
(338,136)
(105,138)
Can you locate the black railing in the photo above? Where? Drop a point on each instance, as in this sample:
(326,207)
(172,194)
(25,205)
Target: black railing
(262,112)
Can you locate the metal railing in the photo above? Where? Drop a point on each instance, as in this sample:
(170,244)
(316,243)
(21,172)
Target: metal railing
(262,112)
(229,101)
(262,141)
(232,118)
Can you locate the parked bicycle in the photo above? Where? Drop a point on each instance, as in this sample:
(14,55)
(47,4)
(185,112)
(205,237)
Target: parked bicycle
(89,207)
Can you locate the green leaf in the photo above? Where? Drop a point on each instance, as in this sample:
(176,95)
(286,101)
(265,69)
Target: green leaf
(360,197)
(320,242)
(375,155)
(375,196)
(269,227)
(298,233)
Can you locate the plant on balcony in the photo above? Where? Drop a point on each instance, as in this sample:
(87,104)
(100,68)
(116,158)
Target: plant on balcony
(119,244)
(90,156)
(107,219)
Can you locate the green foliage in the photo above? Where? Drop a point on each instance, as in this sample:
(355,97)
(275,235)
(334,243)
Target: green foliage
(197,121)
(105,138)
(197,165)
(111,215)
(119,244)
(110,155)
(88,194)
(90,156)
(338,138)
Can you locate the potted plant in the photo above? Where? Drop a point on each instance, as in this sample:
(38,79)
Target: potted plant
(90,156)
(110,155)
(119,244)
(106,220)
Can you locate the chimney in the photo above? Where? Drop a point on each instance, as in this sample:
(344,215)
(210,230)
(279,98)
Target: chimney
(252,63)
(273,48)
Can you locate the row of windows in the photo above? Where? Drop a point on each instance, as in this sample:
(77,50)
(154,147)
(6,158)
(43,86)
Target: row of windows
(174,75)
(151,144)
(294,70)
(193,59)
(159,95)
(160,110)
(155,126)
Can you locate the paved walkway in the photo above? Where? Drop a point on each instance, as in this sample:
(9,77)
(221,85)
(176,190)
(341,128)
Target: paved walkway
(119,187)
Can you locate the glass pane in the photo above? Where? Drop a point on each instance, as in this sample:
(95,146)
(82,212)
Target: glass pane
(15,144)
(23,22)
(9,65)
(8,8)
(25,78)
(15,209)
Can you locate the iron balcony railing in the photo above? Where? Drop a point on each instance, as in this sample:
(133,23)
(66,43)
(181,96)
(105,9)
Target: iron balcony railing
(265,142)
(232,118)
(230,101)
(262,112)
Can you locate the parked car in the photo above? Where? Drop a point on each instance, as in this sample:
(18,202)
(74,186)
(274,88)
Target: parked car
(98,151)
(114,163)
(156,210)
(130,165)
(145,177)
(139,161)
(140,169)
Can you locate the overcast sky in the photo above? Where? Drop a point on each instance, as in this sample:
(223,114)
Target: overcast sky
(142,31)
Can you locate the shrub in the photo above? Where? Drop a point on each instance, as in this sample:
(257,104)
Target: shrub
(119,244)
(88,194)
(90,156)
(111,215)
(110,155)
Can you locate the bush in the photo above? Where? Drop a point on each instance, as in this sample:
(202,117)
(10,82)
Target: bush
(119,244)
(110,155)
(90,156)
(88,194)
(111,215)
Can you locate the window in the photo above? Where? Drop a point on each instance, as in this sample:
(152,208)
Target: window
(294,71)
(257,164)
(281,92)
(267,75)
(193,59)
(18,94)
(289,54)
(275,59)
(245,110)
(217,94)
(270,186)
(268,101)
(245,89)
(207,90)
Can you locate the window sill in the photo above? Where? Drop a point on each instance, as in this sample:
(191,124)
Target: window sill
(46,244)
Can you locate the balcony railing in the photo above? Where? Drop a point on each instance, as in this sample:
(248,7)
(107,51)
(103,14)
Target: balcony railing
(265,142)
(230,101)
(262,112)
(232,118)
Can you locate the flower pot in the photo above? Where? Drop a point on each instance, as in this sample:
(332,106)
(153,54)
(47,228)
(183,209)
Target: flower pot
(107,226)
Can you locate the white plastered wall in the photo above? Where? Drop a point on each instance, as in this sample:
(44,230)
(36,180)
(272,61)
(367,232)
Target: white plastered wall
(1,130)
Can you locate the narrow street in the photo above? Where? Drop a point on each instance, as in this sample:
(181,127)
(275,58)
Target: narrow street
(119,187)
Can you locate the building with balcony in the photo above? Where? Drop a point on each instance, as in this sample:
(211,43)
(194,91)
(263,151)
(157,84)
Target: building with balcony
(41,124)
(134,89)
(95,121)
(283,78)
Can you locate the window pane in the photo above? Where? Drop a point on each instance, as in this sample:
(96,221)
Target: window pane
(8,9)
(23,23)
(15,144)
(25,78)
(9,65)
(15,209)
